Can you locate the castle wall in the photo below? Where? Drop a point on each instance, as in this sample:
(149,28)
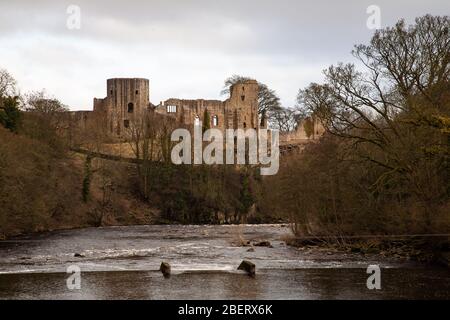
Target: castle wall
(99,105)
(239,111)
(79,119)
(308,129)
(187,111)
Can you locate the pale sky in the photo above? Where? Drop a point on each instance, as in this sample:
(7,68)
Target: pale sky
(186,48)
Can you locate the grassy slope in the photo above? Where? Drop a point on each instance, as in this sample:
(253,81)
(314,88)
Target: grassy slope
(41,189)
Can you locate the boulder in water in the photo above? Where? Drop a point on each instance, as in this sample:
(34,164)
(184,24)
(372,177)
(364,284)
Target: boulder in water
(263,243)
(165,269)
(248,267)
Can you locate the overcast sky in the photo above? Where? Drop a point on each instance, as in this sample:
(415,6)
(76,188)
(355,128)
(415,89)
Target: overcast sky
(186,48)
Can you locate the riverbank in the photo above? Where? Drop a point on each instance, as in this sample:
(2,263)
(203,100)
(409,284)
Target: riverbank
(427,249)
(44,187)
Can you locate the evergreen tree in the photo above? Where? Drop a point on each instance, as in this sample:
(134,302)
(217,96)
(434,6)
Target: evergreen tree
(10,114)
(206,120)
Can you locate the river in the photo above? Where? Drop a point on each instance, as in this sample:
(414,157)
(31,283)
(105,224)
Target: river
(123,263)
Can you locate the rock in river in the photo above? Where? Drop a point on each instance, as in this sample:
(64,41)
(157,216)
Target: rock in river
(248,267)
(165,269)
(263,243)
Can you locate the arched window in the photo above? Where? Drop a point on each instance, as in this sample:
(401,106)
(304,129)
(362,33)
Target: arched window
(215,121)
(130,107)
(196,121)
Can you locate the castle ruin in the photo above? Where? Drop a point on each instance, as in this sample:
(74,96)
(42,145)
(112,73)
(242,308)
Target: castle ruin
(128,99)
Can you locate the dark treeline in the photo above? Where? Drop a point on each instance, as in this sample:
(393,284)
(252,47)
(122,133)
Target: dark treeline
(203,194)
(383,166)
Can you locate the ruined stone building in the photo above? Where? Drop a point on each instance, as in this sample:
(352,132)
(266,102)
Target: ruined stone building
(308,129)
(128,98)
(240,111)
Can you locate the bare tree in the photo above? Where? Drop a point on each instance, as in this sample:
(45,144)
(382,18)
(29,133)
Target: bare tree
(149,138)
(7,84)
(48,109)
(394,113)
(404,82)
(286,119)
(40,102)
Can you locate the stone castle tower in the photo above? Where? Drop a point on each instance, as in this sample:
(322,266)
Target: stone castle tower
(126,100)
(241,108)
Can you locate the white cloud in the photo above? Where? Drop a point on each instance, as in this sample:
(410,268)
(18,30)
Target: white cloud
(186,48)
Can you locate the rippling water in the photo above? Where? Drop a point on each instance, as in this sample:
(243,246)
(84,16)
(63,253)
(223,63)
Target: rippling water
(122,262)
